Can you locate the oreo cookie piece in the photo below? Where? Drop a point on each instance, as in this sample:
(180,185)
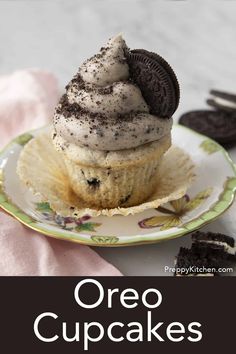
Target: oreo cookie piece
(218,125)
(156,80)
(209,252)
(201,255)
(212,239)
(199,236)
(215,254)
(222,100)
(198,261)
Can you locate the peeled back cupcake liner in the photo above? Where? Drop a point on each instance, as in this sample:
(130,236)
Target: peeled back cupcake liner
(42,169)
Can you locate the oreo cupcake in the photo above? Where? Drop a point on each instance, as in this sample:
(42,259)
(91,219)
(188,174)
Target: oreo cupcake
(113,125)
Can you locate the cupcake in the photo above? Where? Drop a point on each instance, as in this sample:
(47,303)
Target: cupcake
(113,125)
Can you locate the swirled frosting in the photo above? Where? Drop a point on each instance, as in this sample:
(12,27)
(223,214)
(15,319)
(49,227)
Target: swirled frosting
(103,109)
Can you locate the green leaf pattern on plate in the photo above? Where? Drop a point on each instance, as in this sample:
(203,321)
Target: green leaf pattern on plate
(105,239)
(23,139)
(66,223)
(210,147)
(1,183)
(44,207)
(1,176)
(173,215)
(223,202)
(88,226)
(12,208)
(198,199)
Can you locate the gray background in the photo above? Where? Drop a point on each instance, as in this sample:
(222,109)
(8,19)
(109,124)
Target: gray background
(197,37)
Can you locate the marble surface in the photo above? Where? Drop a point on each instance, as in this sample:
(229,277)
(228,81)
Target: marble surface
(196,37)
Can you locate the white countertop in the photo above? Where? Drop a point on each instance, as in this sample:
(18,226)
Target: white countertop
(196,37)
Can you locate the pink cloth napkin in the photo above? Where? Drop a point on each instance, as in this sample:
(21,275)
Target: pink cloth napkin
(27,101)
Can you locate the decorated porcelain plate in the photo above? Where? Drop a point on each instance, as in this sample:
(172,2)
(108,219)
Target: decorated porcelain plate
(211,193)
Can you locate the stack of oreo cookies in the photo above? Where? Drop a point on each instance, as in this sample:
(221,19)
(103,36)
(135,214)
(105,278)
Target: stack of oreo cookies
(210,254)
(219,122)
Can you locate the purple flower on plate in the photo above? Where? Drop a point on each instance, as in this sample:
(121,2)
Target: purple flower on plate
(67,223)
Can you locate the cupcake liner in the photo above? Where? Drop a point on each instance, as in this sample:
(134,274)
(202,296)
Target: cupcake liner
(109,187)
(42,169)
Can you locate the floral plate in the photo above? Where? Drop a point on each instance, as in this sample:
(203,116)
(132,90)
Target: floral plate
(209,196)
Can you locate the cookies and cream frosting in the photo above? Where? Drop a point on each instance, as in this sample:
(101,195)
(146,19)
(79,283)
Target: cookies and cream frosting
(103,109)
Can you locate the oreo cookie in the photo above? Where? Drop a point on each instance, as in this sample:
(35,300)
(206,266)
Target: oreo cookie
(156,80)
(200,259)
(218,125)
(226,243)
(215,238)
(209,253)
(222,101)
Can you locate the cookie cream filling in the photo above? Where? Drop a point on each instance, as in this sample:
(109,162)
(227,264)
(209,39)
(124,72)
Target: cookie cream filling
(223,102)
(103,109)
(227,248)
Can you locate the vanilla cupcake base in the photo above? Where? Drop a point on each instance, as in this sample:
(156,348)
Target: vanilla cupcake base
(113,187)
(113,179)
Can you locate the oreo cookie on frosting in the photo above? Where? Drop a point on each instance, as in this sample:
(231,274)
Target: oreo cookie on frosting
(156,80)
